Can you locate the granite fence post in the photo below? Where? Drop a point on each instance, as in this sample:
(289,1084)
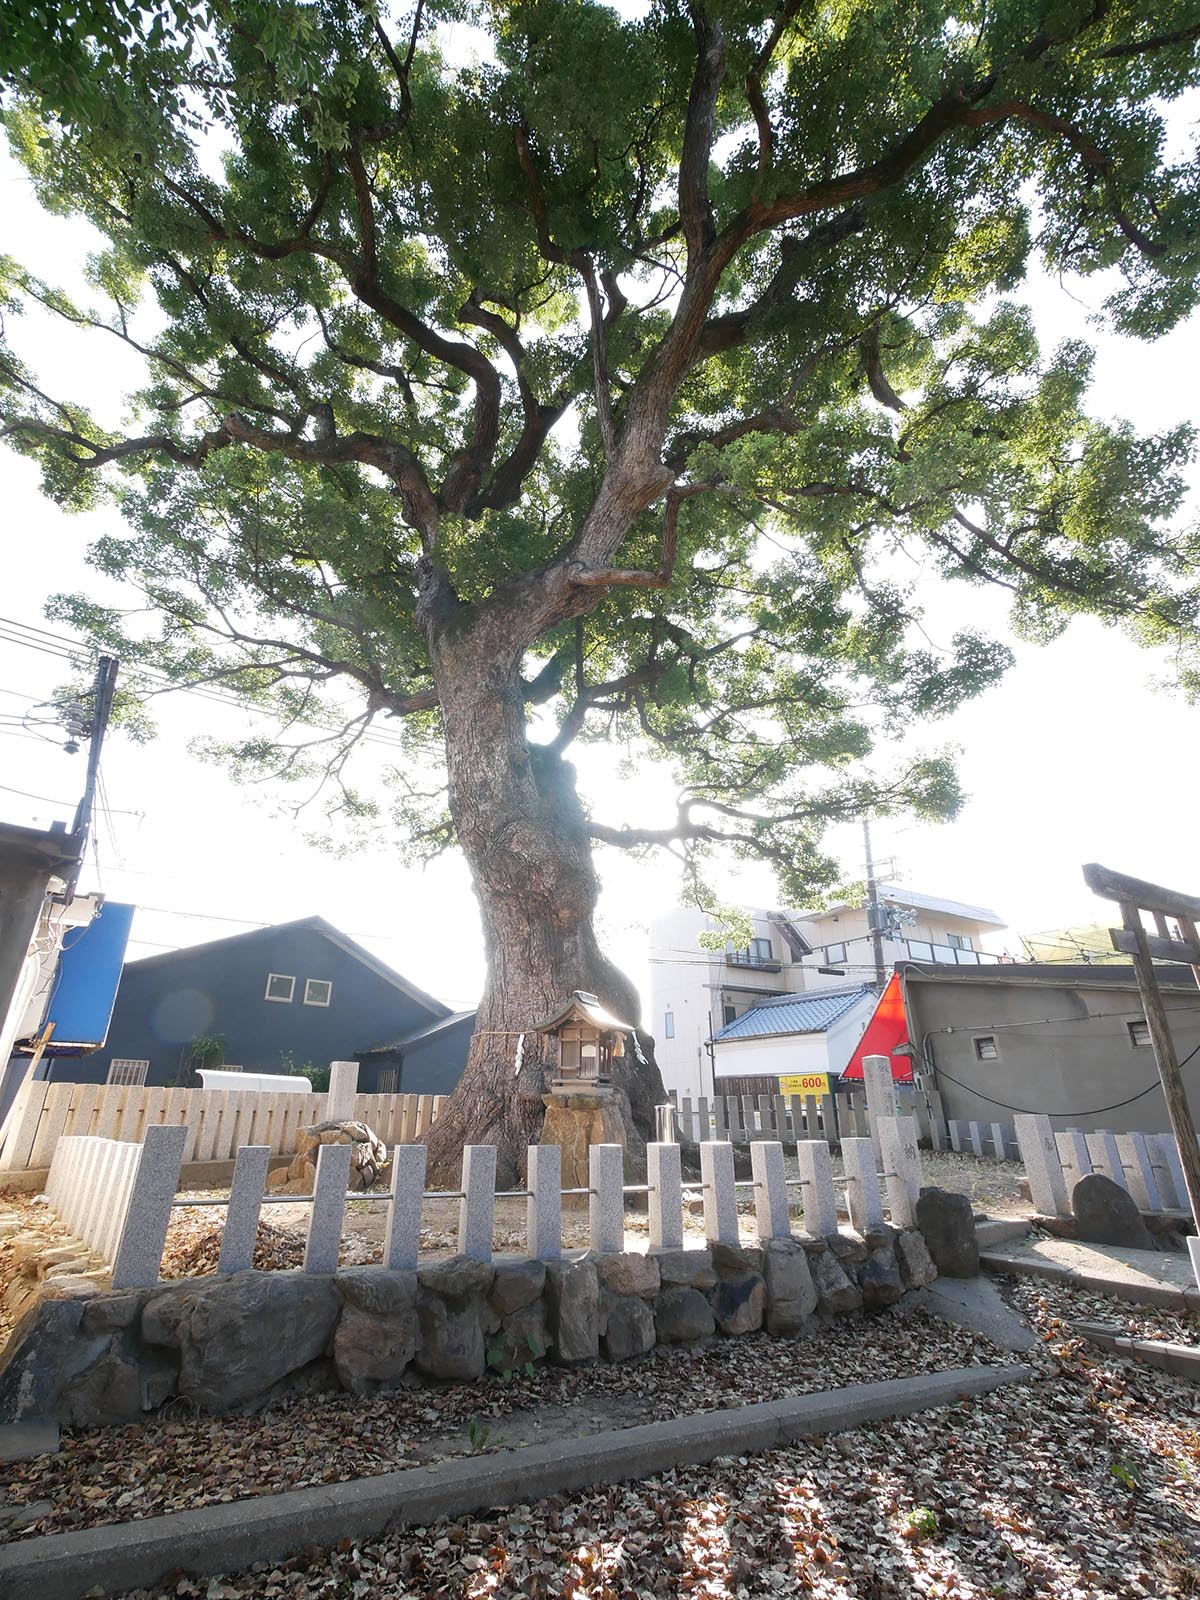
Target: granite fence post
(902,1168)
(139,1254)
(956,1136)
(402,1242)
(881,1092)
(1043,1165)
(1075,1156)
(816,1187)
(999,1140)
(770,1190)
(245,1203)
(664,1177)
(1106,1158)
(123,1187)
(976,1137)
(1168,1171)
(328,1207)
(606,1203)
(863,1199)
(543,1202)
(720,1196)
(343,1086)
(476,1209)
(1139,1170)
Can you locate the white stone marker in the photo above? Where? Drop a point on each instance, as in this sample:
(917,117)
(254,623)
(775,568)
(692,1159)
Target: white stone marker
(720,1195)
(665,1179)
(139,1255)
(343,1086)
(863,1199)
(881,1092)
(976,1137)
(770,1190)
(1106,1158)
(245,1203)
(328,1207)
(402,1241)
(477,1207)
(998,1141)
(1075,1156)
(1139,1170)
(901,1167)
(816,1187)
(606,1203)
(1043,1165)
(543,1202)
(1168,1171)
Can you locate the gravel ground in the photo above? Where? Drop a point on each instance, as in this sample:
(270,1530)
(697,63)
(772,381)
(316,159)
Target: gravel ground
(1083,1484)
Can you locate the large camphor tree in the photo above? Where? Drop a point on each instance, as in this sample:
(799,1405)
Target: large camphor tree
(545,371)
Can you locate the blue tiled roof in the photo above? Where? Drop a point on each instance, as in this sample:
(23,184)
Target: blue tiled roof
(791,1013)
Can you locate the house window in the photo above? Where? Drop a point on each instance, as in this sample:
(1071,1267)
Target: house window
(128,1072)
(959,941)
(668,1025)
(385,1080)
(986,1048)
(280,987)
(1139,1033)
(729,1013)
(317,991)
(760,950)
(834,953)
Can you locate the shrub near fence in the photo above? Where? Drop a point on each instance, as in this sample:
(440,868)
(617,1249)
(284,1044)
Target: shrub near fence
(218,1122)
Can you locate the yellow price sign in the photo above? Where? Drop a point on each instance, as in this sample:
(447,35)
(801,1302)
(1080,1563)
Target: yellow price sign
(804,1083)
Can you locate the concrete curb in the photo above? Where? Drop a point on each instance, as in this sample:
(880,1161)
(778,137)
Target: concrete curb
(1138,1294)
(226,1538)
(1181,1360)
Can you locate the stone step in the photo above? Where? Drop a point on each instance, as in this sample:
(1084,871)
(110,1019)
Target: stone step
(991,1231)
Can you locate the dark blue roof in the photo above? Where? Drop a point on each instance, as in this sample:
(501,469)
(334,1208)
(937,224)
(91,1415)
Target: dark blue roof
(791,1013)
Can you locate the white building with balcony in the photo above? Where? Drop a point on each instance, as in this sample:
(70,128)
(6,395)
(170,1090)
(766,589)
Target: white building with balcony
(696,993)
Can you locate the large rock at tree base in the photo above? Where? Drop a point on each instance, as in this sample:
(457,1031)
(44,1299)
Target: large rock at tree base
(738,1303)
(791,1295)
(366,1165)
(573,1310)
(629,1329)
(836,1292)
(577,1121)
(683,1316)
(1107,1214)
(879,1279)
(916,1264)
(239,1336)
(947,1225)
(372,1351)
(631,1273)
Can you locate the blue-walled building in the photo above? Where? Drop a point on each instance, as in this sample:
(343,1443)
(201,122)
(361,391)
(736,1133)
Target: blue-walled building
(281,998)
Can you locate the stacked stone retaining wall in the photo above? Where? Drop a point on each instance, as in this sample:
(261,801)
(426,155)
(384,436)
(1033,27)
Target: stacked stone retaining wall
(228,1343)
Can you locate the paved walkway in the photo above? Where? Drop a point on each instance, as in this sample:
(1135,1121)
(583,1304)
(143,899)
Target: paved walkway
(1147,1277)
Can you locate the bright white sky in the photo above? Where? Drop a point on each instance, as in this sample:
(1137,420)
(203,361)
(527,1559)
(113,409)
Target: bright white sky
(1075,758)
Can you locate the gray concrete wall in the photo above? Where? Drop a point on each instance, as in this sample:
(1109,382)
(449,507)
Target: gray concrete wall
(1063,1050)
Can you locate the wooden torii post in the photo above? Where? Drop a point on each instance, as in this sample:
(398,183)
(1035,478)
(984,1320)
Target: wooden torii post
(1135,897)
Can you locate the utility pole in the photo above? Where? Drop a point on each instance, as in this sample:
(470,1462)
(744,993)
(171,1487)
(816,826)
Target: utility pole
(102,700)
(875,913)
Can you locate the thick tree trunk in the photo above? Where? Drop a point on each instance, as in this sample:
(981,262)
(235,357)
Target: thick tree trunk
(521,826)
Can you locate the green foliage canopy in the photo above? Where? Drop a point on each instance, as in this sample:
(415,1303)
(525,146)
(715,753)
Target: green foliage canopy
(656,351)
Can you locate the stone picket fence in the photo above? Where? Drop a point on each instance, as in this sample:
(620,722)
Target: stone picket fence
(1146,1165)
(217,1122)
(792,1118)
(121,1196)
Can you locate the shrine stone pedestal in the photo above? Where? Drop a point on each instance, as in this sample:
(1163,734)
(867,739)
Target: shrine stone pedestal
(576,1119)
